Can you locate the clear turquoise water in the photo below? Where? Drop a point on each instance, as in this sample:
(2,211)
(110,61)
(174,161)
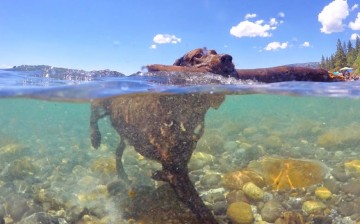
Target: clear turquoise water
(54,137)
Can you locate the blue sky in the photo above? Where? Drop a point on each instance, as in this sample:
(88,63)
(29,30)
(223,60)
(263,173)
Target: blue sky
(125,35)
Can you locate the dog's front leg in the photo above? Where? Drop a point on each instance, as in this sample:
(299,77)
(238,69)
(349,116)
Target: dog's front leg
(179,180)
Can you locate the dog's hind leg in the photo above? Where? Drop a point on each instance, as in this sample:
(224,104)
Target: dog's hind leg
(97,112)
(179,180)
(119,165)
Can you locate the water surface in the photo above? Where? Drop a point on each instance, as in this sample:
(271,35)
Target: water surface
(48,166)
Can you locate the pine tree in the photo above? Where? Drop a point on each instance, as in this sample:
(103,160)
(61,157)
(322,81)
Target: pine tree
(340,56)
(323,62)
(357,44)
(332,61)
(351,54)
(357,64)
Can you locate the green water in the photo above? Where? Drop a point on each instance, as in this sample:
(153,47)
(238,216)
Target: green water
(54,138)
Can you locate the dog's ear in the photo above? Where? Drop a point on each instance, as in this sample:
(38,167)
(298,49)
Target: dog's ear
(212,52)
(179,61)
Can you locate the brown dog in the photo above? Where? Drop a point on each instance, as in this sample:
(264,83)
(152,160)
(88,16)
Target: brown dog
(161,127)
(202,60)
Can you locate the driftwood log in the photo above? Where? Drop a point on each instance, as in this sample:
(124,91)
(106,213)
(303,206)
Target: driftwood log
(202,60)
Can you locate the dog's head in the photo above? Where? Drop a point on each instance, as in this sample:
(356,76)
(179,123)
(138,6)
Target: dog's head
(208,60)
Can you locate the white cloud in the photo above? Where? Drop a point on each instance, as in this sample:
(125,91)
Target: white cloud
(275,46)
(258,28)
(261,21)
(273,22)
(166,39)
(251,29)
(250,15)
(354,35)
(332,16)
(281,14)
(153,46)
(306,44)
(356,24)
(354,7)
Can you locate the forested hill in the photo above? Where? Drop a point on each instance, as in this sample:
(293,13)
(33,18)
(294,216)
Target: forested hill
(346,55)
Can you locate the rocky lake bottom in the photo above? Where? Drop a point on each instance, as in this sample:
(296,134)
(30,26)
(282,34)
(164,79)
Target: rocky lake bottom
(262,159)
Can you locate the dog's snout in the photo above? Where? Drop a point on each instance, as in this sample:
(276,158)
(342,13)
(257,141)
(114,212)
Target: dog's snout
(226,58)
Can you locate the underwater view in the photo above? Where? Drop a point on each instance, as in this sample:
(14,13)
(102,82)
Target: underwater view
(266,153)
(179,112)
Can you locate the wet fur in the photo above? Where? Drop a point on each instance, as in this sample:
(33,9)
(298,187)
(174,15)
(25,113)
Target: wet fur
(164,128)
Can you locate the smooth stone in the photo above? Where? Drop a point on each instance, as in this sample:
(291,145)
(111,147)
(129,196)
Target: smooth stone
(253,192)
(43,218)
(352,187)
(210,180)
(230,146)
(346,208)
(17,207)
(199,160)
(214,197)
(323,193)
(235,180)
(311,207)
(271,211)
(219,208)
(273,141)
(332,185)
(236,196)
(339,154)
(245,145)
(240,213)
(339,174)
(2,210)
(352,167)
(249,131)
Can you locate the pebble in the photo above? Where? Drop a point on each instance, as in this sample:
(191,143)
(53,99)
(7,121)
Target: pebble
(240,213)
(230,146)
(347,208)
(210,180)
(332,185)
(200,160)
(235,180)
(219,208)
(2,210)
(253,191)
(271,211)
(17,206)
(42,217)
(311,207)
(249,131)
(352,166)
(323,193)
(236,196)
(339,174)
(352,187)
(214,197)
